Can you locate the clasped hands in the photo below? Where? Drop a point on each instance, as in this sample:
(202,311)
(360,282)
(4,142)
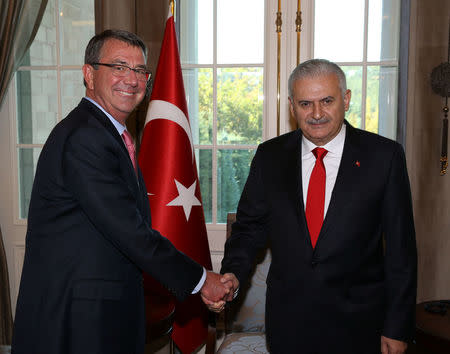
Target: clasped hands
(218,289)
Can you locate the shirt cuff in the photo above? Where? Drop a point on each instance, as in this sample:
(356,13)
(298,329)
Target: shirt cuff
(236,292)
(200,283)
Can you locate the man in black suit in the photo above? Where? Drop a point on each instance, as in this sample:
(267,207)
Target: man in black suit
(348,283)
(89,231)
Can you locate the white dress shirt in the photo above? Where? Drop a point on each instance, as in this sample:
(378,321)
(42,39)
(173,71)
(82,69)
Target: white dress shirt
(332,160)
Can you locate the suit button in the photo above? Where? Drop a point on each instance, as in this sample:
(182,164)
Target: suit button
(314,263)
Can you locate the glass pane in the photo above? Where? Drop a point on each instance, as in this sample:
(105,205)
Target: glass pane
(43,49)
(233,168)
(354,83)
(381,100)
(37,105)
(196,31)
(204,166)
(72,90)
(339,30)
(77,27)
(240,31)
(199,90)
(384,23)
(28,159)
(239,105)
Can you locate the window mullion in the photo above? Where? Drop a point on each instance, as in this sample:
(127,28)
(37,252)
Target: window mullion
(58,61)
(364,65)
(214,122)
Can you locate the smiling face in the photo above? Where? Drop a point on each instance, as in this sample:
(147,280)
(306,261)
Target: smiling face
(119,96)
(318,106)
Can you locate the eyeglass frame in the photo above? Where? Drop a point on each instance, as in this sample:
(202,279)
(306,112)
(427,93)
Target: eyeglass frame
(136,70)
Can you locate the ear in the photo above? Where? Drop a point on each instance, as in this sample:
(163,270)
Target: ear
(291,107)
(347,97)
(88,74)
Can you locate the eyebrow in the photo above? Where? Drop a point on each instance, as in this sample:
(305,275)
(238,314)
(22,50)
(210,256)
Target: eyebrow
(121,62)
(321,99)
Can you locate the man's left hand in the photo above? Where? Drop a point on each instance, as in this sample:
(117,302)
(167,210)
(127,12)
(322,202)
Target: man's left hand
(392,346)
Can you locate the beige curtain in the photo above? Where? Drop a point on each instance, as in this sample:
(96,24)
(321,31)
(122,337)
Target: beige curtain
(5,300)
(19,22)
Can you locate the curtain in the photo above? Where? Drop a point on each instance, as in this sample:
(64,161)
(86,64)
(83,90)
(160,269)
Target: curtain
(5,300)
(19,22)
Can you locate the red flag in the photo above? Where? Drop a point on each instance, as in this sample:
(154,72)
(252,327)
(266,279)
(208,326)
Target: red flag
(167,160)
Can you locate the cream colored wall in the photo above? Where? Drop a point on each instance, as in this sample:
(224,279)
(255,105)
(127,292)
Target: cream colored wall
(430,191)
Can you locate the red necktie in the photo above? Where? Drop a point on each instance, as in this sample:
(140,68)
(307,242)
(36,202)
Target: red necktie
(315,199)
(130,147)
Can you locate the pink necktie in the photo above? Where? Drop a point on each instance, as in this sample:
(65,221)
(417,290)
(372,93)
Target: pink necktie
(130,147)
(315,199)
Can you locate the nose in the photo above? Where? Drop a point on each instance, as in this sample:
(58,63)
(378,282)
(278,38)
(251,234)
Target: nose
(317,110)
(131,78)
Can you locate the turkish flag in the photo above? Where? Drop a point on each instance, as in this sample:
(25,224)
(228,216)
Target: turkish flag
(167,161)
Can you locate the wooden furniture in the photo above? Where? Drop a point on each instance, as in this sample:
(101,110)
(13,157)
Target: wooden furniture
(159,316)
(432,329)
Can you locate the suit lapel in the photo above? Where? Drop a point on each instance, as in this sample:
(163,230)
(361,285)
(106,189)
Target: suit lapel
(347,173)
(104,120)
(296,183)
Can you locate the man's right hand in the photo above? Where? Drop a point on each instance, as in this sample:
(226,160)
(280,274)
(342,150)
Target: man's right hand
(230,278)
(214,292)
(228,282)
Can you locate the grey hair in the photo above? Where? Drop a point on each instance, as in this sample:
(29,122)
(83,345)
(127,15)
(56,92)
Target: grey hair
(95,45)
(316,67)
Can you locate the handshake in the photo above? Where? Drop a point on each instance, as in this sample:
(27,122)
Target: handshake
(218,289)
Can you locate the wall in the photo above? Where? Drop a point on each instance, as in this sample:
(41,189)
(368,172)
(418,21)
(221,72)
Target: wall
(145,18)
(431,192)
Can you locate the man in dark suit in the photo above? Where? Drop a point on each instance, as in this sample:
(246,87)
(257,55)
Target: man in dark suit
(334,204)
(89,231)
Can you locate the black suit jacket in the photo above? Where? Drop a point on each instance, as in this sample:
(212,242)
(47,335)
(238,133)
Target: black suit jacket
(341,296)
(89,236)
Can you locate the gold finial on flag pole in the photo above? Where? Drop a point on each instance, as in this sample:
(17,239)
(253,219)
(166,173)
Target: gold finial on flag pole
(172,7)
(298,28)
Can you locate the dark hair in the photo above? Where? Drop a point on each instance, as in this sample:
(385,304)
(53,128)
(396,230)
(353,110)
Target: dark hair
(95,45)
(315,67)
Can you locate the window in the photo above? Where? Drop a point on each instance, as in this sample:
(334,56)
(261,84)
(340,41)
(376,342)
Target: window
(222,57)
(49,84)
(228,50)
(362,36)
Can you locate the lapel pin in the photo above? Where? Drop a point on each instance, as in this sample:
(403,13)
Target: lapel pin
(357,164)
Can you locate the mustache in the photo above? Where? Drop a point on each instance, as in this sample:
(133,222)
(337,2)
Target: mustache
(314,121)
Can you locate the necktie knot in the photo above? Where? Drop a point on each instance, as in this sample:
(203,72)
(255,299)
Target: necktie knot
(319,153)
(130,146)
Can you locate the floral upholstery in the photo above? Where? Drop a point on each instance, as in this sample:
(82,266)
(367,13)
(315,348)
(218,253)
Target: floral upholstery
(245,318)
(244,343)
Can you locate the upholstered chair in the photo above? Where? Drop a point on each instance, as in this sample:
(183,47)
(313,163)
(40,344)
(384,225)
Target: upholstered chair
(245,316)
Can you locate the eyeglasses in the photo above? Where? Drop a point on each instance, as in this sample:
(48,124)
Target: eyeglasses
(122,70)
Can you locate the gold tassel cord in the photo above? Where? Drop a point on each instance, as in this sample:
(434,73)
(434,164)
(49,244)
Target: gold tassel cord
(278,24)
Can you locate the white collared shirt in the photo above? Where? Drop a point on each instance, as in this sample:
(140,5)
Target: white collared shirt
(332,160)
(120,128)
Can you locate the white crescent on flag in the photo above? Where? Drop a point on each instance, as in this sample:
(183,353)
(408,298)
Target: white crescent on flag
(158,109)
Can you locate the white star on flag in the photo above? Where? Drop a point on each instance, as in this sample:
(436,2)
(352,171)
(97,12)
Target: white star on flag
(186,198)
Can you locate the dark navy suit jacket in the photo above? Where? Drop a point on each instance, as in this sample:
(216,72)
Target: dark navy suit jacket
(341,296)
(89,237)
